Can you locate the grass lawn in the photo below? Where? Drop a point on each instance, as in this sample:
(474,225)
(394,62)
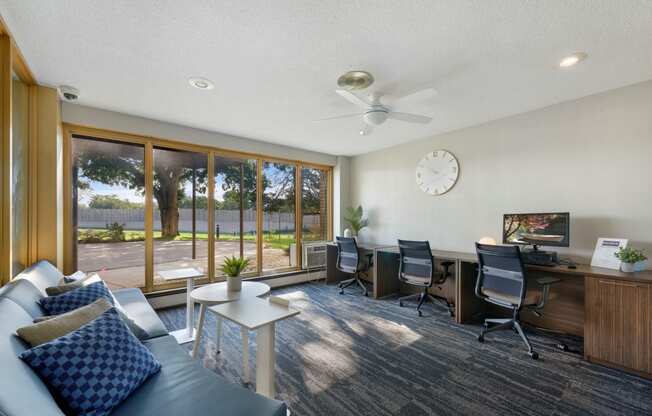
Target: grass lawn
(273,240)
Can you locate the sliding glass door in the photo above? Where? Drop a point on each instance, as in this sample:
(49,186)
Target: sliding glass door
(279,216)
(235,211)
(180,210)
(108,210)
(314,204)
(141,206)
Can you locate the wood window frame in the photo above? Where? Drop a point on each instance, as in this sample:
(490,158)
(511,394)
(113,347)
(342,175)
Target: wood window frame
(70,130)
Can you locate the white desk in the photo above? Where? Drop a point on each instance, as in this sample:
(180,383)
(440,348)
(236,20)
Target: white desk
(258,314)
(189,274)
(216,294)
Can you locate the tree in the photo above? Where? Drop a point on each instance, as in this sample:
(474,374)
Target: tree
(112,202)
(123,165)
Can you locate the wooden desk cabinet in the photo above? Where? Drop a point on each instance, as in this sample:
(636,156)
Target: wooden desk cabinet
(618,323)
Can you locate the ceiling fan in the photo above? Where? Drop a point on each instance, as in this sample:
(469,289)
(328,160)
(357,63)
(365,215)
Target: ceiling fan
(375,113)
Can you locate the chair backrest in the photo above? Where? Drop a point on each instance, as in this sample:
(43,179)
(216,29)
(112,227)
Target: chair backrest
(501,271)
(416,261)
(347,255)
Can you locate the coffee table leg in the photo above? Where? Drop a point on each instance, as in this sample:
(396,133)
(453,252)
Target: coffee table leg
(200,329)
(265,360)
(246,378)
(219,333)
(190,306)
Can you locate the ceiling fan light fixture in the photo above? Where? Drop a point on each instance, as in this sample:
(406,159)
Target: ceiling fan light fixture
(375,117)
(355,80)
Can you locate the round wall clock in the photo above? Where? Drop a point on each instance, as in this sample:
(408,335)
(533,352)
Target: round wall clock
(437,172)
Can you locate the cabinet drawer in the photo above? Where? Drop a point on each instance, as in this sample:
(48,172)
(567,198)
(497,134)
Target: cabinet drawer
(618,327)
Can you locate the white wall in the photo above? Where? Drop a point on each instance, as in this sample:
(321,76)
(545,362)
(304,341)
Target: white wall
(110,120)
(591,157)
(341,192)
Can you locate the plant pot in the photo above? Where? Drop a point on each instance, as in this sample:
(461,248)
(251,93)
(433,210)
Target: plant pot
(639,266)
(627,267)
(234,284)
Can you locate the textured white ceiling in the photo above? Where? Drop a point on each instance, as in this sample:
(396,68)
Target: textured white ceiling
(275,63)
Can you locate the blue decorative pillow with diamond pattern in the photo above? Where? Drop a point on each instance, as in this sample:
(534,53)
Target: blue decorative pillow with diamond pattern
(82,296)
(94,368)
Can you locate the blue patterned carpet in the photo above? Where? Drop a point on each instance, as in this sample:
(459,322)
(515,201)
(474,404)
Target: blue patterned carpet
(350,355)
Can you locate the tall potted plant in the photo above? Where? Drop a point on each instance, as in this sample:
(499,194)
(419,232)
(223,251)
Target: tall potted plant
(232,267)
(633,260)
(354,217)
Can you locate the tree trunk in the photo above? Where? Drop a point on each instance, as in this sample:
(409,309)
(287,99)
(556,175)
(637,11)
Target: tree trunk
(166,194)
(169,221)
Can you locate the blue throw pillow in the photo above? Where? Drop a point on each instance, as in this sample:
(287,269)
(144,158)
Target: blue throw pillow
(82,296)
(94,368)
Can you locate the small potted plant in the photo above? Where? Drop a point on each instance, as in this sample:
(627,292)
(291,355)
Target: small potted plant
(633,260)
(354,217)
(232,267)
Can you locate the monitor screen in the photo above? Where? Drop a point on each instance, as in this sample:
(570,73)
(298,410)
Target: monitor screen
(549,229)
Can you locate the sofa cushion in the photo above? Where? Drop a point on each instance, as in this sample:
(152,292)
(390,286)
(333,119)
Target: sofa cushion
(77,298)
(95,367)
(26,294)
(42,275)
(60,325)
(183,386)
(139,310)
(62,288)
(20,388)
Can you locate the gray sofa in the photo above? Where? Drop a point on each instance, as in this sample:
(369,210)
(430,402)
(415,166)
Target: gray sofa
(182,387)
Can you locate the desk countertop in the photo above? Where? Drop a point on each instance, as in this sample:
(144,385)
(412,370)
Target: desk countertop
(581,270)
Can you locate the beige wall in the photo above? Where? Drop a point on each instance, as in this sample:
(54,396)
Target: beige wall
(110,120)
(591,157)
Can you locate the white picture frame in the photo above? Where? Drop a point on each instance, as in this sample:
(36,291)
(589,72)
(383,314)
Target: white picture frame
(605,250)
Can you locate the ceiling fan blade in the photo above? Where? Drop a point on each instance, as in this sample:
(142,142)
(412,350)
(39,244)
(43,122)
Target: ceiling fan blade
(338,117)
(425,92)
(366,130)
(353,99)
(410,118)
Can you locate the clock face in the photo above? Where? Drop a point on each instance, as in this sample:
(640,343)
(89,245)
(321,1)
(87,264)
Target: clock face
(437,172)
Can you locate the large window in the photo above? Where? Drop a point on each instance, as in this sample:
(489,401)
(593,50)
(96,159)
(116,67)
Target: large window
(314,204)
(108,212)
(279,216)
(141,206)
(19,175)
(180,210)
(235,211)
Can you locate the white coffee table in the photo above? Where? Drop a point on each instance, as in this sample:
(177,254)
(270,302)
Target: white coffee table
(258,314)
(187,334)
(217,293)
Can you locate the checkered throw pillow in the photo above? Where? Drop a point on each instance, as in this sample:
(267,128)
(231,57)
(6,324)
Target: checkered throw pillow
(94,368)
(85,295)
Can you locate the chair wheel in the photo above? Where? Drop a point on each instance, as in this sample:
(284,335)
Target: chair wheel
(452,314)
(341,291)
(400,304)
(480,338)
(366,294)
(420,313)
(534,355)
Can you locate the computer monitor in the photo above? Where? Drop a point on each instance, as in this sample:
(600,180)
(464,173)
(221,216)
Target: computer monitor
(542,229)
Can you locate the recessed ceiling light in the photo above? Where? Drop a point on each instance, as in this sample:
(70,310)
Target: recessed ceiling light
(201,83)
(361,132)
(573,59)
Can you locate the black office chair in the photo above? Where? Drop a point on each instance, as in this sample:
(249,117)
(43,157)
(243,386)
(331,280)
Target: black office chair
(349,261)
(417,268)
(502,281)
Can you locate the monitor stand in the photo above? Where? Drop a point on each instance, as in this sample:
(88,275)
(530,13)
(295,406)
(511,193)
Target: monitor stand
(539,257)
